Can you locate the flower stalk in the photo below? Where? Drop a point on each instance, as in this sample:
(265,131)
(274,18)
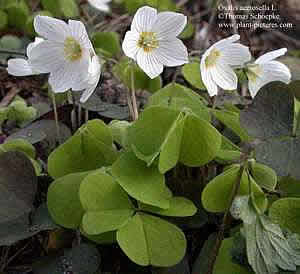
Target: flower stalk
(133,97)
(56,118)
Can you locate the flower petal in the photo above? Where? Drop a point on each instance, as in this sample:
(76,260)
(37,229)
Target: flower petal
(19,67)
(33,44)
(100,5)
(47,56)
(235,54)
(143,19)
(60,80)
(94,76)
(51,28)
(149,63)
(130,44)
(227,41)
(169,24)
(172,52)
(271,71)
(78,31)
(224,76)
(209,83)
(270,56)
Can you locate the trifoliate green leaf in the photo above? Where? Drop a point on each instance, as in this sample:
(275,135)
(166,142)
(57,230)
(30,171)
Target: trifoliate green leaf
(179,97)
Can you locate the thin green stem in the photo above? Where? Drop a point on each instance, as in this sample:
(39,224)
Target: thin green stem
(56,118)
(86,116)
(79,115)
(133,97)
(73,112)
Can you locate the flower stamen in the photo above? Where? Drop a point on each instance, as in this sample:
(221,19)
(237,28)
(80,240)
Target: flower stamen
(72,49)
(253,72)
(148,41)
(211,59)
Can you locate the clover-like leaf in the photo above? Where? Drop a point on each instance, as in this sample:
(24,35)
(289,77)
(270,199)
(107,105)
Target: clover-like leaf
(271,113)
(149,240)
(200,142)
(179,97)
(232,120)
(158,134)
(107,42)
(191,72)
(99,191)
(271,119)
(18,185)
(63,200)
(217,194)
(146,184)
(94,149)
(179,207)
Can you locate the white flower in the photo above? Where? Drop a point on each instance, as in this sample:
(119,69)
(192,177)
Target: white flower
(21,66)
(152,40)
(265,70)
(65,54)
(218,61)
(93,79)
(101,5)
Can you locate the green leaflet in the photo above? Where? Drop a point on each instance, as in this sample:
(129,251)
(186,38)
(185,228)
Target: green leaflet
(171,136)
(94,149)
(217,194)
(63,200)
(146,184)
(150,240)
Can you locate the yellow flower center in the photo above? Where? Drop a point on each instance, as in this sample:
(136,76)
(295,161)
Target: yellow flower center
(72,49)
(253,71)
(211,59)
(148,41)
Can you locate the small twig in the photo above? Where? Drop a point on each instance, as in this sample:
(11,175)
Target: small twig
(9,97)
(220,235)
(15,255)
